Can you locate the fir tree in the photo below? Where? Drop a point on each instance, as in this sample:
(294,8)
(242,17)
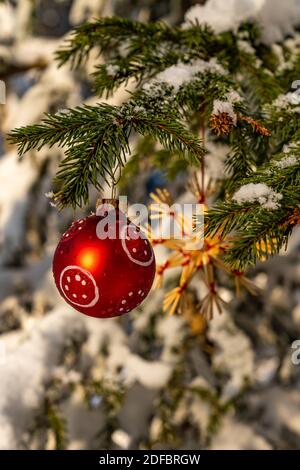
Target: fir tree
(193,86)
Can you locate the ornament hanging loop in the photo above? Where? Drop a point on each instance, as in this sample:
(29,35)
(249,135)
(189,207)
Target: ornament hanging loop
(113,189)
(113,202)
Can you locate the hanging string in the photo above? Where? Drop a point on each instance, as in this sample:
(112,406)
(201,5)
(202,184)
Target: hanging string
(115,178)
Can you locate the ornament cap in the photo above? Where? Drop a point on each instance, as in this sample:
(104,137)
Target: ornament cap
(112,202)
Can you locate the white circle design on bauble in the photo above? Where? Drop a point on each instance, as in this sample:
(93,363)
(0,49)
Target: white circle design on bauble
(86,273)
(125,248)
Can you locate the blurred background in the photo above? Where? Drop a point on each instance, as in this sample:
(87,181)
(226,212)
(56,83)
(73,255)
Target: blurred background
(146,380)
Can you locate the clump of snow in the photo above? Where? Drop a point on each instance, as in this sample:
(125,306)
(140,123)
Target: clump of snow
(64,112)
(126,364)
(277,49)
(284,101)
(176,75)
(171,331)
(226,105)
(7,21)
(258,192)
(276,18)
(121,439)
(55,84)
(220,107)
(266,370)
(139,109)
(235,435)
(14,202)
(26,371)
(287,161)
(152,374)
(220,15)
(233,97)
(32,50)
(234,354)
(245,46)
(50,195)
(112,69)
(291,146)
(81,10)
(292,45)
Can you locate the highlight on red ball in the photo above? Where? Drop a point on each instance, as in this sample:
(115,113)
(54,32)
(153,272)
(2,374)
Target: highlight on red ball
(89,258)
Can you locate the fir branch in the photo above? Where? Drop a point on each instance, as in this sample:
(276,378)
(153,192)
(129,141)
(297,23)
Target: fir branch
(108,33)
(258,232)
(259,83)
(97,140)
(136,50)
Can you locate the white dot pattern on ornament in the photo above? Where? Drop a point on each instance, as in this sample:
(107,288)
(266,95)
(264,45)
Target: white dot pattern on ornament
(66,287)
(123,301)
(77,277)
(83,282)
(129,254)
(130,294)
(121,309)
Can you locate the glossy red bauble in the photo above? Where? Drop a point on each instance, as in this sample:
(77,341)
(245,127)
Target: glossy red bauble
(104,277)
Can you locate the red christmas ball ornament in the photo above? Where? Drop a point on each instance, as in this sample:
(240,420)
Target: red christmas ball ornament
(104,265)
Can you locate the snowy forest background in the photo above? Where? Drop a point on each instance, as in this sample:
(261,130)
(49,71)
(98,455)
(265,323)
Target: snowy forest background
(146,380)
